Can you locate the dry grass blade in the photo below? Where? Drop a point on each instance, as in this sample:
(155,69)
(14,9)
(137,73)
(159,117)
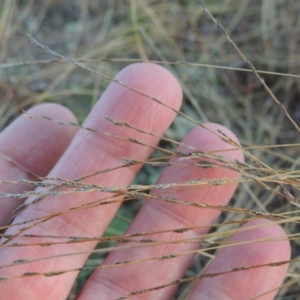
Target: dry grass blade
(249,63)
(174,34)
(127,60)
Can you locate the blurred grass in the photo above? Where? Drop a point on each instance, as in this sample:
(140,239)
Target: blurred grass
(267,31)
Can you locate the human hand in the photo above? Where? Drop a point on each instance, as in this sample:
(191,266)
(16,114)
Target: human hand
(46,148)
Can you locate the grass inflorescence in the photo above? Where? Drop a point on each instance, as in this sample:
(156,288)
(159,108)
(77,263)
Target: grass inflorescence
(234,70)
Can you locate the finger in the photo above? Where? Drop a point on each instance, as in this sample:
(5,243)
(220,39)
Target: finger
(250,283)
(156,215)
(29,148)
(88,153)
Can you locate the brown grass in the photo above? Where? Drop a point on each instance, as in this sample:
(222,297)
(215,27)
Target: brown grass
(258,103)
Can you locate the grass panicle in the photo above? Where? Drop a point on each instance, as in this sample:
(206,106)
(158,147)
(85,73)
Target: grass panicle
(228,56)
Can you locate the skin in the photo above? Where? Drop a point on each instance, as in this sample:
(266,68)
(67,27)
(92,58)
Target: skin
(47,148)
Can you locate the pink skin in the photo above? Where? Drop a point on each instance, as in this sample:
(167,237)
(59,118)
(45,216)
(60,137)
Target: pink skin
(253,282)
(42,142)
(89,152)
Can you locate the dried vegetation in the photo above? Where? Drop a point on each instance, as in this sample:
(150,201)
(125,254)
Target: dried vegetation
(79,46)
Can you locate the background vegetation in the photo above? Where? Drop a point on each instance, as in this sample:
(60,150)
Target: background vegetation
(217,84)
